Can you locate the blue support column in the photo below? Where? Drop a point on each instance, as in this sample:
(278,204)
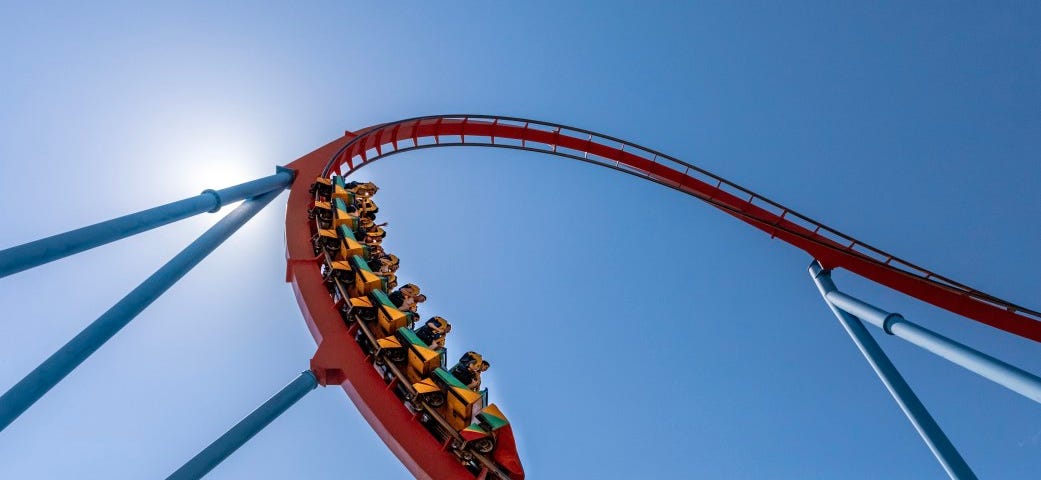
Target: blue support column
(919,416)
(26,392)
(39,252)
(1008,376)
(224,446)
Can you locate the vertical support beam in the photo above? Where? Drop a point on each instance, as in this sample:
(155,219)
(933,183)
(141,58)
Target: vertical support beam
(27,391)
(224,446)
(39,252)
(923,422)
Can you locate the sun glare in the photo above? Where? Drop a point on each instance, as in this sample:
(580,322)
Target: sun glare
(217,165)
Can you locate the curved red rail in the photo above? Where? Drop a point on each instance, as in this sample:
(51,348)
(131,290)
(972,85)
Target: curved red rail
(336,363)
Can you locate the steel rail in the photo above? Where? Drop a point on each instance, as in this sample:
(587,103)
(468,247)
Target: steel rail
(833,248)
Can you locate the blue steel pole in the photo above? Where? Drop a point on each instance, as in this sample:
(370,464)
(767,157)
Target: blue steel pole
(916,412)
(1008,376)
(27,391)
(224,446)
(39,252)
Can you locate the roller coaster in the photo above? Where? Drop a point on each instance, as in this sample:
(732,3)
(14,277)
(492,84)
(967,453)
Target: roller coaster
(438,425)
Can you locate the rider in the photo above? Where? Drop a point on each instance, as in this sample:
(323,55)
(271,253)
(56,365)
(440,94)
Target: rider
(476,385)
(398,297)
(411,304)
(469,369)
(367,208)
(366,189)
(434,329)
(381,260)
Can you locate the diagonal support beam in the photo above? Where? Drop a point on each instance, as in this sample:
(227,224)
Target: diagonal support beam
(1008,376)
(38,382)
(39,252)
(923,422)
(238,435)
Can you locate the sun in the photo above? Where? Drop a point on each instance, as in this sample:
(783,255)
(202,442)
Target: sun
(217,156)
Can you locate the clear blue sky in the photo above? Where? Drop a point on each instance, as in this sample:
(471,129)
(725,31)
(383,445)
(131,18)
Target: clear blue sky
(634,332)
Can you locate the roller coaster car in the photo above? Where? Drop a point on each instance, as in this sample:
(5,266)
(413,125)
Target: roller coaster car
(339,270)
(364,282)
(322,211)
(344,215)
(422,360)
(340,247)
(377,307)
(322,186)
(340,191)
(326,240)
(480,436)
(448,396)
(355,275)
(349,245)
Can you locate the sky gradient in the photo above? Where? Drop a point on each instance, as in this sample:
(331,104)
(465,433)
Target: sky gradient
(634,332)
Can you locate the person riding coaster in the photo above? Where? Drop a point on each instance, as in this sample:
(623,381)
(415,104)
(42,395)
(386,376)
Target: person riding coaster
(390,280)
(367,227)
(332,188)
(412,304)
(436,328)
(376,234)
(372,242)
(383,266)
(469,369)
(399,296)
(366,189)
(367,208)
(383,261)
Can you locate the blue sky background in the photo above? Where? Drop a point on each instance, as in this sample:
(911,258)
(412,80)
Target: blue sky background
(634,332)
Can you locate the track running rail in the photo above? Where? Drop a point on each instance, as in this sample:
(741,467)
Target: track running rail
(831,247)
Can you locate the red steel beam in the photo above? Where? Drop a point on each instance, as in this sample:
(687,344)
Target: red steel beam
(911,280)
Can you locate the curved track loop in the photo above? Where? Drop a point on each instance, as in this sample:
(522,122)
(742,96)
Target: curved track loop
(832,248)
(355,150)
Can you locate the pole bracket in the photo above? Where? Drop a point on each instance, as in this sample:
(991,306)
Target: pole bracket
(328,362)
(216,198)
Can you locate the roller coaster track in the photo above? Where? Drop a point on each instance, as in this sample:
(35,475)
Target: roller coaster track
(340,362)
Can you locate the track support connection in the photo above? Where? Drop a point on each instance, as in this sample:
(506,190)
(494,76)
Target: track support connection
(38,382)
(923,422)
(39,252)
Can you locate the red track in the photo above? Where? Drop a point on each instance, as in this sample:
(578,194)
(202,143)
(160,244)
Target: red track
(340,361)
